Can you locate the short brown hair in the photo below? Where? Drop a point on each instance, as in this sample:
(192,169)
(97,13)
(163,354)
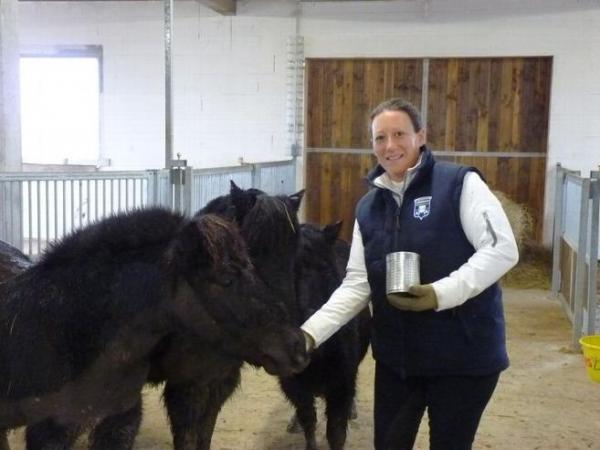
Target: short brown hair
(399,104)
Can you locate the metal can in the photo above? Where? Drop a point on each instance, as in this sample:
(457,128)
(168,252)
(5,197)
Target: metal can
(402,272)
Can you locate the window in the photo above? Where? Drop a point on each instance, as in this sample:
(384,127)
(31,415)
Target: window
(60,107)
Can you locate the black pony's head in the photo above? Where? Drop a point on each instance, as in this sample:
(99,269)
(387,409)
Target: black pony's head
(320,265)
(269,228)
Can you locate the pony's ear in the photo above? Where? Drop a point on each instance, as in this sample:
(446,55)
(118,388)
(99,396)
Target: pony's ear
(234,188)
(242,200)
(296,199)
(332,231)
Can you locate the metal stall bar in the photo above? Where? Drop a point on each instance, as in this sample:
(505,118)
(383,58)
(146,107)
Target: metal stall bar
(64,205)
(580,264)
(55,234)
(29,220)
(559,225)
(39,218)
(46,211)
(134,193)
(592,325)
(44,216)
(72,222)
(96,199)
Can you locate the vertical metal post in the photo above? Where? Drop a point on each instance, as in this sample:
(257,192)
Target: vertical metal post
(64,207)
(88,197)
(177,179)
(152,188)
(96,199)
(256,176)
(38,206)
(176,184)
(47,211)
(580,263)
(168,18)
(593,261)
(17,219)
(55,236)
(134,193)
(187,191)
(29,217)
(559,177)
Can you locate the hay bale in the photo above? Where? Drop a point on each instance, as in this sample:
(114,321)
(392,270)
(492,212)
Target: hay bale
(519,217)
(534,269)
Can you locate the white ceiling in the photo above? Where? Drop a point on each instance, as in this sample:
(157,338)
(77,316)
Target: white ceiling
(432,9)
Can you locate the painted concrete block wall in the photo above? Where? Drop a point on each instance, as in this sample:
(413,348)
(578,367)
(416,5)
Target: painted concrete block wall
(230,73)
(228,79)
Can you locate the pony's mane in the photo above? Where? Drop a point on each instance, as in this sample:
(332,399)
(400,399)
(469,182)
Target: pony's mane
(116,234)
(271,226)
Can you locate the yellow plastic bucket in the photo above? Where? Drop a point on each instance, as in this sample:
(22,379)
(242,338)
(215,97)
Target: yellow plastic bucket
(591,356)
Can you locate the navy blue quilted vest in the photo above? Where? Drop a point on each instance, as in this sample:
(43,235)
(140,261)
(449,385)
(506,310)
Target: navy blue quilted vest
(466,340)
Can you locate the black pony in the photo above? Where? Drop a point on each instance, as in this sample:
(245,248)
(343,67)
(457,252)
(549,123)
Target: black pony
(80,330)
(320,268)
(200,378)
(270,228)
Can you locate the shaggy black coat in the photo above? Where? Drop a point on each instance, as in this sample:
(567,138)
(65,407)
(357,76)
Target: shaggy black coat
(79,329)
(200,378)
(320,268)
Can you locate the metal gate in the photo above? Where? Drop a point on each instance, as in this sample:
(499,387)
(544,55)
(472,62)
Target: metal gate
(37,208)
(575,249)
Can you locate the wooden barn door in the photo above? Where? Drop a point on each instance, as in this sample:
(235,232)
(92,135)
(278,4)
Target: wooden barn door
(491,113)
(340,95)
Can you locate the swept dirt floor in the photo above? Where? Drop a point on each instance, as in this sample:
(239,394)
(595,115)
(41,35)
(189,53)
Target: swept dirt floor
(544,400)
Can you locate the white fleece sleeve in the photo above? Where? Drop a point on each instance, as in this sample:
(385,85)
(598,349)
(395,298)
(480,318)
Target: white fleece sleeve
(347,300)
(487,228)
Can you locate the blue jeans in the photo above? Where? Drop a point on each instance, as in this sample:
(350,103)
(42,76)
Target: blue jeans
(454,405)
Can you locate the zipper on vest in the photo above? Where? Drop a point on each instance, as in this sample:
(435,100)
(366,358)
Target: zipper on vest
(396,228)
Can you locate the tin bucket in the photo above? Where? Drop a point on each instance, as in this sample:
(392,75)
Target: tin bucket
(402,272)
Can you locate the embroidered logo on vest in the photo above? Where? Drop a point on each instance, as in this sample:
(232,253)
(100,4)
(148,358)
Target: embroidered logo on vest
(422,207)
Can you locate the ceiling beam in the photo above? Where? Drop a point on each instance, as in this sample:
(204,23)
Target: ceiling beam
(224,7)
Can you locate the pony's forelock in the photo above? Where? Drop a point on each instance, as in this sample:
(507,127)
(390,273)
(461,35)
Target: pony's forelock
(221,240)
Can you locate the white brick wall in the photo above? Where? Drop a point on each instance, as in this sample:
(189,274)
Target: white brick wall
(228,78)
(229,72)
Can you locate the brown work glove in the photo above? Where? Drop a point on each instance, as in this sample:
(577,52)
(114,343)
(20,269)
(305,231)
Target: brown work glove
(423,298)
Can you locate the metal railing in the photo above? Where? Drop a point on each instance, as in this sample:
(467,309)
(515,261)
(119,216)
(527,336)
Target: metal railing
(575,249)
(37,208)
